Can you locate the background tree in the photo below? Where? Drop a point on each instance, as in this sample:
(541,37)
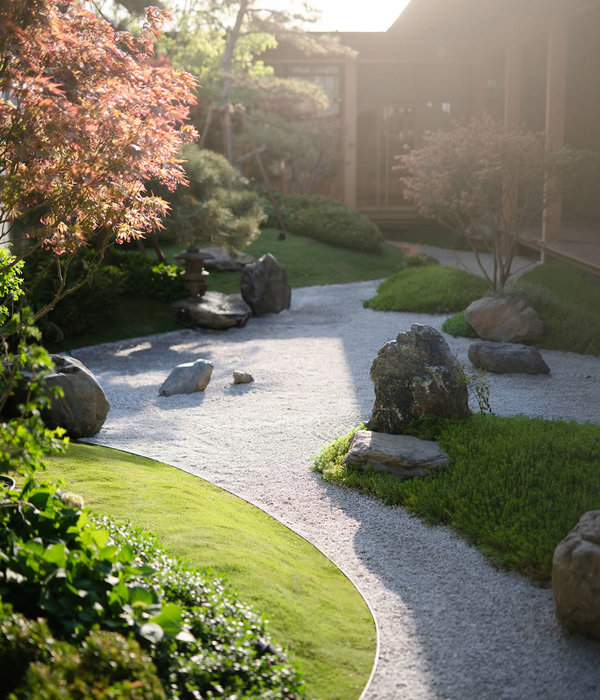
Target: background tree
(85,120)
(489,184)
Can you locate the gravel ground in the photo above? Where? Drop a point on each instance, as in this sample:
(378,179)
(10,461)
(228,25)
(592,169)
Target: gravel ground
(450,624)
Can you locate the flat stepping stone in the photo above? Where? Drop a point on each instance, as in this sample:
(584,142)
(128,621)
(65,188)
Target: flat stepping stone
(404,456)
(213,310)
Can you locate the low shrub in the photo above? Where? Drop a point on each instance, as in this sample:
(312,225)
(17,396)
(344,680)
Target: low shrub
(431,289)
(515,485)
(77,574)
(330,222)
(143,276)
(458,325)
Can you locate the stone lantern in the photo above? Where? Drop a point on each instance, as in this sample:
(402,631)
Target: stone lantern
(194,276)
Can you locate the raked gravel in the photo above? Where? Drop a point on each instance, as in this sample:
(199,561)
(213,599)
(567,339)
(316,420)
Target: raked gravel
(450,624)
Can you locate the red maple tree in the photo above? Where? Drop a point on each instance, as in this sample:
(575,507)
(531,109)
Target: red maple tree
(86,119)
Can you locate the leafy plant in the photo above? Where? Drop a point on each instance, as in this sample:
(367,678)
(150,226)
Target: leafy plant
(458,325)
(430,289)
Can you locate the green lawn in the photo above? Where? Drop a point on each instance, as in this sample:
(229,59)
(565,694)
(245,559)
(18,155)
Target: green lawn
(515,486)
(312,607)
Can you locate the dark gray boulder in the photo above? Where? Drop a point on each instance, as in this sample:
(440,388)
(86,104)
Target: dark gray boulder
(213,310)
(83,408)
(505,320)
(404,456)
(413,376)
(264,286)
(507,358)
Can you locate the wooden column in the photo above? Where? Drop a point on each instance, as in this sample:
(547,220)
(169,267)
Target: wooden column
(350,126)
(556,99)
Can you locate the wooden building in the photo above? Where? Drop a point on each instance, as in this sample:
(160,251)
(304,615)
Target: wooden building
(535,62)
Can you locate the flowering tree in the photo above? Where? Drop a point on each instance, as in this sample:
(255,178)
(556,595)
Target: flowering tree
(488,183)
(85,120)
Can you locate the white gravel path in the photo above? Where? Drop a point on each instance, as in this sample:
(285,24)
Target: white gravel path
(451,625)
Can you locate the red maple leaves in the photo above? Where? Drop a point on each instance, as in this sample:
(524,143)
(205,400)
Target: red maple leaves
(85,121)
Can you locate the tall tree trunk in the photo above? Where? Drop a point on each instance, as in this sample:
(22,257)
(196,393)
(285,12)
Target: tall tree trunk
(233,35)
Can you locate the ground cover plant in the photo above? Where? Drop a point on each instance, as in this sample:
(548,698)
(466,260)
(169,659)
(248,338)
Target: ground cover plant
(428,289)
(566,298)
(80,575)
(311,607)
(514,486)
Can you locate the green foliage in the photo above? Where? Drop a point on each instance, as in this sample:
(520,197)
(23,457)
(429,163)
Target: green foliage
(144,277)
(11,282)
(567,299)
(430,289)
(106,666)
(218,207)
(331,222)
(515,486)
(458,325)
(58,565)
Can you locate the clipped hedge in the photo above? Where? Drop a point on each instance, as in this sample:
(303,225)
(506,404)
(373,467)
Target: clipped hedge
(78,575)
(330,222)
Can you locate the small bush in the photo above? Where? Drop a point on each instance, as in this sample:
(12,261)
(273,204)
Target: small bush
(458,325)
(515,486)
(331,222)
(105,666)
(431,289)
(145,277)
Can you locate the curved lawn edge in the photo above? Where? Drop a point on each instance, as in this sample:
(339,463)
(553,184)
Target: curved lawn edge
(312,605)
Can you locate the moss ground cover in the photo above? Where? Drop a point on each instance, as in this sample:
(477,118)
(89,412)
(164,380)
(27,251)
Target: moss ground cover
(515,486)
(312,608)
(429,289)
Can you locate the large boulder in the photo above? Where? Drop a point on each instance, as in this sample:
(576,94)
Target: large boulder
(264,286)
(505,319)
(83,408)
(213,310)
(413,376)
(404,456)
(505,358)
(576,576)
(187,378)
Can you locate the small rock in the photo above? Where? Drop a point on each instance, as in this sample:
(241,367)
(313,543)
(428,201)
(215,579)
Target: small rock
(242,378)
(213,310)
(187,378)
(505,358)
(264,286)
(576,576)
(505,319)
(404,456)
